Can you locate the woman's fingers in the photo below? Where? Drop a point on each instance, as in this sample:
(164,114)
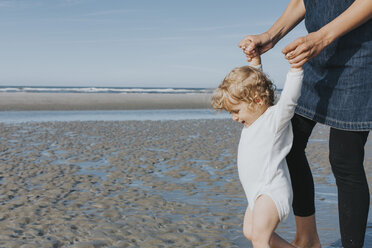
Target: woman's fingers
(298,52)
(288,51)
(302,54)
(249,48)
(304,49)
(299,56)
(255,45)
(251,42)
(251,53)
(244,43)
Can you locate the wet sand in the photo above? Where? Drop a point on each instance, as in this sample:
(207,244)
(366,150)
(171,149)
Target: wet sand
(101,101)
(138,184)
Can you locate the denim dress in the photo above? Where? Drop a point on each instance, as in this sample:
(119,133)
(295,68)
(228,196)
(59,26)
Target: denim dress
(337,87)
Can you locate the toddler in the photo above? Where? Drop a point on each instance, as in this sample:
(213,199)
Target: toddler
(265,141)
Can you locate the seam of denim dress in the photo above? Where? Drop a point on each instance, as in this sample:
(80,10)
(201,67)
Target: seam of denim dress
(348,126)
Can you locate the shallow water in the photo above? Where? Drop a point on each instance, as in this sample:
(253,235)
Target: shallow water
(110,115)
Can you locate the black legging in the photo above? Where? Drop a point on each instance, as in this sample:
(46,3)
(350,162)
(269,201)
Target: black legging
(346,155)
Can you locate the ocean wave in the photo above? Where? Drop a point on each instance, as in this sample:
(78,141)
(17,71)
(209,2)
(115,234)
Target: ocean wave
(122,90)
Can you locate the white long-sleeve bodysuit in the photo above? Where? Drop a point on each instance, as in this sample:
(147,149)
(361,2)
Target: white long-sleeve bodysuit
(263,147)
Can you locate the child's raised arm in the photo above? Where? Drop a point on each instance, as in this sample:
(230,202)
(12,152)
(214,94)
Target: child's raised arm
(256,61)
(288,98)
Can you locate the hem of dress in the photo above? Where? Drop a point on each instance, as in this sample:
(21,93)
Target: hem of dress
(342,125)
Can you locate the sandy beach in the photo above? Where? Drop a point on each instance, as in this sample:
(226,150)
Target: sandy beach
(138,184)
(101,101)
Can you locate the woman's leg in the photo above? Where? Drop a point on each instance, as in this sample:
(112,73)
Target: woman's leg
(346,154)
(302,184)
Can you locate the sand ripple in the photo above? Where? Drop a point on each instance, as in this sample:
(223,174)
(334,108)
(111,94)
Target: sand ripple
(126,184)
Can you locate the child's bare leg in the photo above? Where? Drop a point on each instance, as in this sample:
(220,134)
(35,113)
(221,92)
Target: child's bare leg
(247,224)
(265,220)
(275,241)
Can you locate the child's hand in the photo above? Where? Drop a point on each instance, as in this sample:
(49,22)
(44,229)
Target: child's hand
(294,67)
(256,59)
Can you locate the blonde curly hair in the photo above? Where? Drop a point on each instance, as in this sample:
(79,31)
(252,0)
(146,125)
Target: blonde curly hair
(243,84)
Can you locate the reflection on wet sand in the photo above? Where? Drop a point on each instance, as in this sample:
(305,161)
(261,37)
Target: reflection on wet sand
(138,184)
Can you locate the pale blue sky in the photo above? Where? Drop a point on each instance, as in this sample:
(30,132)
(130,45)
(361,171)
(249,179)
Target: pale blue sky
(148,43)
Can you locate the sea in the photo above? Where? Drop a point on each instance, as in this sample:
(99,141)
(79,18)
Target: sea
(108,115)
(114,90)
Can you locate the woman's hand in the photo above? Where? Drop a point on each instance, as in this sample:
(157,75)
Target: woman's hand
(305,48)
(255,45)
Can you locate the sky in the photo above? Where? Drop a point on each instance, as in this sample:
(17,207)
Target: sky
(133,43)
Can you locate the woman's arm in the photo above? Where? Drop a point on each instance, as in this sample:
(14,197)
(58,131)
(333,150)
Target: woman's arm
(305,48)
(293,14)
